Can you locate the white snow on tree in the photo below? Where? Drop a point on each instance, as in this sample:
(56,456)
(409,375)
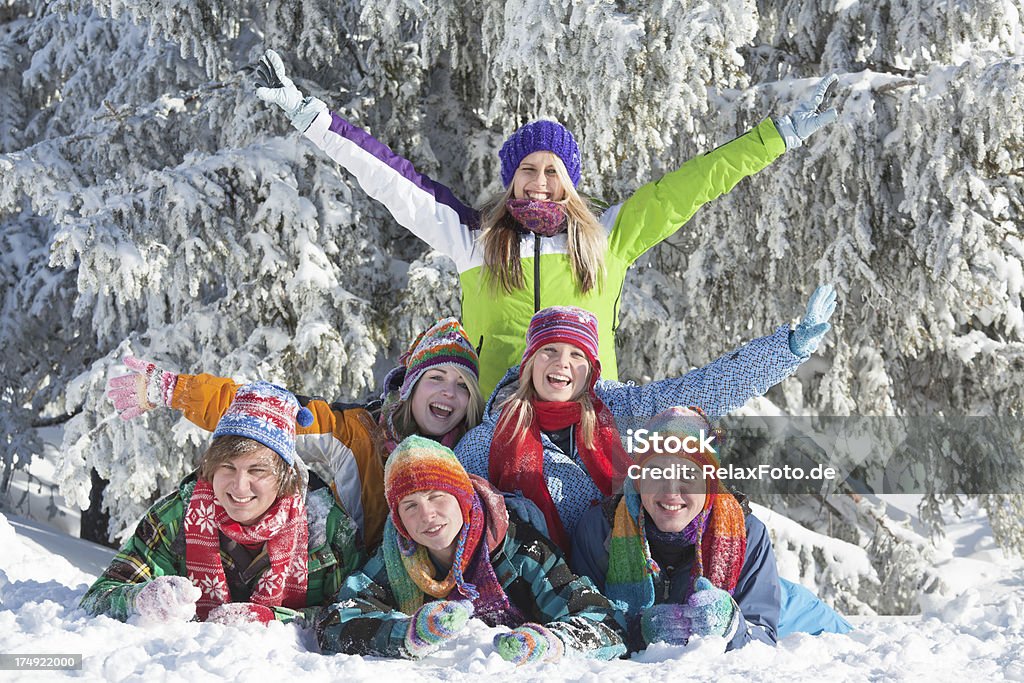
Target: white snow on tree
(150,203)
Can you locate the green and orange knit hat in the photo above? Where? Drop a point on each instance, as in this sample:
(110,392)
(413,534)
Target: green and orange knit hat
(422,464)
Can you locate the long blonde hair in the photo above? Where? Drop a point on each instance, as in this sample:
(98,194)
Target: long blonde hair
(405,422)
(587,241)
(517,409)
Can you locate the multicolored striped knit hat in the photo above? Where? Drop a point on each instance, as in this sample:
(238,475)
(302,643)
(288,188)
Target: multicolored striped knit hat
(265,413)
(540,136)
(443,343)
(421,464)
(566,324)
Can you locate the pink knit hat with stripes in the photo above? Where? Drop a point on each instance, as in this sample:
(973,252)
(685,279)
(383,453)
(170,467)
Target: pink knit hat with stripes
(566,324)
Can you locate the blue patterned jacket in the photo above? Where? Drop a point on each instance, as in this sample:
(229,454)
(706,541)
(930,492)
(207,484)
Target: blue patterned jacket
(717,388)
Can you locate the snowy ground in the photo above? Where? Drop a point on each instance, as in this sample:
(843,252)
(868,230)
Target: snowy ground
(975,629)
(978,633)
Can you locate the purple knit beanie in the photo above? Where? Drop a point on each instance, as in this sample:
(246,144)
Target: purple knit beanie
(540,136)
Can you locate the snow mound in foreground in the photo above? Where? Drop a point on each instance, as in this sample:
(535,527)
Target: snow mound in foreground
(980,631)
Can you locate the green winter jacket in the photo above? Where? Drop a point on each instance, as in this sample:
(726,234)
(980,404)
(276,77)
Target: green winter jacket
(157,548)
(496,321)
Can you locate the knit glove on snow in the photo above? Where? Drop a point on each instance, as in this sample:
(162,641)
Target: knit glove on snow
(238,613)
(435,623)
(665,623)
(804,340)
(167,599)
(145,388)
(272,85)
(810,115)
(709,609)
(529,643)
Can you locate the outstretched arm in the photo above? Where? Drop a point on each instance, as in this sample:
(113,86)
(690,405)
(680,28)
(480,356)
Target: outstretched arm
(728,382)
(423,206)
(660,208)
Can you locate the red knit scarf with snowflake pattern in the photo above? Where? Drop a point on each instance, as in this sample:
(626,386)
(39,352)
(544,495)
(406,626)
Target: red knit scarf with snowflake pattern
(283,528)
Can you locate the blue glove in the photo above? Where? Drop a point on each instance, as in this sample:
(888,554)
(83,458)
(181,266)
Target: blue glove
(665,623)
(529,643)
(527,511)
(709,609)
(804,340)
(809,116)
(272,85)
(435,623)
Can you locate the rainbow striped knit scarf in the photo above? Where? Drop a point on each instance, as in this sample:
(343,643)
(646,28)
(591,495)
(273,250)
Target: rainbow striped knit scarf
(720,550)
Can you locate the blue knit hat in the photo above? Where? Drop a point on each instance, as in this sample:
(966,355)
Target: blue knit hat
(265,413)
(540,136)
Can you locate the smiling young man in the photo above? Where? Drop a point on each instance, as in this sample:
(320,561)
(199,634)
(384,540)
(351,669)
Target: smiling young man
(686,557)
(451,551)
(237,541)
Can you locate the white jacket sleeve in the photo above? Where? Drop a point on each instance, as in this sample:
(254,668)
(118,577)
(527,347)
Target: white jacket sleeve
(423,206)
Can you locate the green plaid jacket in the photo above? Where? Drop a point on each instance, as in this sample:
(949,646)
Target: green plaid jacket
(157,548)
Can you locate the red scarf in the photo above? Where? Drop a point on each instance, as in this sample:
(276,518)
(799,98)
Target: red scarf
(517,461)
(283,528)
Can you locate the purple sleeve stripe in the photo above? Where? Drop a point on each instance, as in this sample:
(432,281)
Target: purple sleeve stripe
(469,217)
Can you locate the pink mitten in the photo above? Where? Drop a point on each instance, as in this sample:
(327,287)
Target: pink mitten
(167,599)
(145,388)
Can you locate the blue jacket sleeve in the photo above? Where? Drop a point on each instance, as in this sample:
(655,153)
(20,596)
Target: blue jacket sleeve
(364,620)
(757,591)
(717,388)
(474,449)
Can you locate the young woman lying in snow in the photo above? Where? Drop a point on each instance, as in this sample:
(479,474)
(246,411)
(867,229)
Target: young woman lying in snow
(685,557)
(451,552)
(239,541)
(553,431)
(432,392)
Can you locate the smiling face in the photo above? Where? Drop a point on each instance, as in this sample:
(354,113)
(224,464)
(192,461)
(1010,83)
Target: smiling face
(672,503)
(246,486)
(433,519)
(561,372)
(537,177)
(439,401)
